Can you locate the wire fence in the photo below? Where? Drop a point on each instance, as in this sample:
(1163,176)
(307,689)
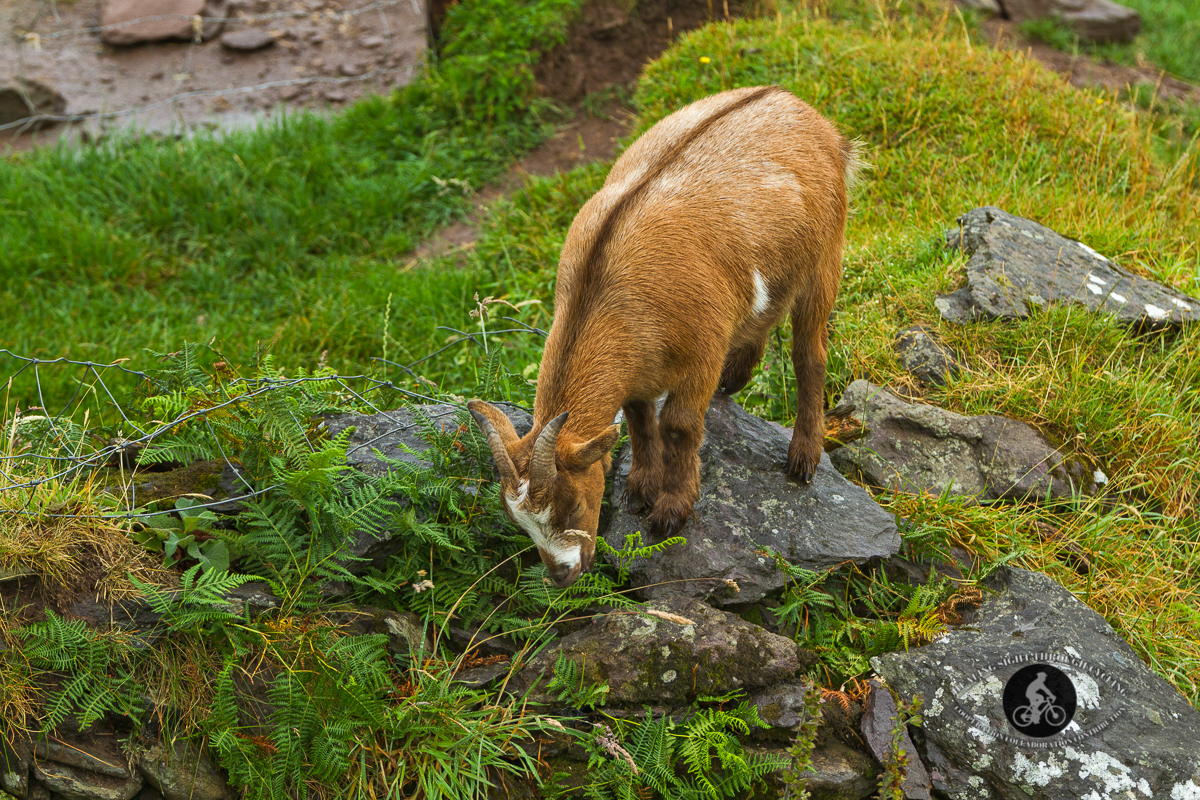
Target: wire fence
(75,455)
(26,39)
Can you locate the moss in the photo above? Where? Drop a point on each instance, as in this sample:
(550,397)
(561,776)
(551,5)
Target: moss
(202,477)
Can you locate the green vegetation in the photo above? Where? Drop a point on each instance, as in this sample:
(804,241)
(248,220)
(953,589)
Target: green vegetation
(294,235)
(1170,38)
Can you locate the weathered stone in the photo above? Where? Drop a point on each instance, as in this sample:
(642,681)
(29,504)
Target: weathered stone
(178,20)
(877,724)
(667,652)
(246,39)
(384,433)
(16,757)
(1132,734)
(1017,265)
(924,355)
(749,512)
(917,448)
(782,705)
(73,783)
(1093,20)
(14,574)
(840,773)
(182,771)
(84,755)
(406,634)
(21,98)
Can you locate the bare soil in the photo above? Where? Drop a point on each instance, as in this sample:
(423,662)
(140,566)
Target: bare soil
(324,53)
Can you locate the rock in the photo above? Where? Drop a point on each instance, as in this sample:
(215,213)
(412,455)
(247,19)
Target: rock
(182,771)
(924,355)
(920,448)
(351,69)
(372,42)
(247,39)
(16,758)
(406,633)
(385,433)
(21,98)
(1130,734)
(82,754)
(666,653)
(1017,265)
(841,773)
(15,574)
(749,510)
(73,783)
(782,705)
(987,6)
(1093,20)
(179,22)
(877,725)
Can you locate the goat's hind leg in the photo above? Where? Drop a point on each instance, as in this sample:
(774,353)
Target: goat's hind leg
(810,342)
(739,367)
(645,469)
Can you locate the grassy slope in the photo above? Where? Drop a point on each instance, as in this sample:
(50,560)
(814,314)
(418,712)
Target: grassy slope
(293,235)
(1000,131)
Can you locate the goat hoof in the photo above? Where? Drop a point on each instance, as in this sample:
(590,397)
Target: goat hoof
(636,502)
(802,469)
(664,526)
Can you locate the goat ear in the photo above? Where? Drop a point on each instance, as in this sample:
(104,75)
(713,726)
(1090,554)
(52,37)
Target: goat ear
(582,455)
(500,437)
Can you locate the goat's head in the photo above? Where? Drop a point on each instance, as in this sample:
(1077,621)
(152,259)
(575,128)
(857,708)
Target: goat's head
(552,485)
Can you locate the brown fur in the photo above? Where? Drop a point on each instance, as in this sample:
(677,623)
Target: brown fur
(656,295)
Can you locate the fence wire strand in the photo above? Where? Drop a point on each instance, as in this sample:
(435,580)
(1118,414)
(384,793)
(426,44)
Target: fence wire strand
(72,461)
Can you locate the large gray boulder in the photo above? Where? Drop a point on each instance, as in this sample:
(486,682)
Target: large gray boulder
(1130,734)
(916,448)
(1017,265)
(749,512)
(1093,20)
(665,654)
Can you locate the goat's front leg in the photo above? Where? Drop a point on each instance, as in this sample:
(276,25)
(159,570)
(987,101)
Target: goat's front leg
(645,469)
(681,426)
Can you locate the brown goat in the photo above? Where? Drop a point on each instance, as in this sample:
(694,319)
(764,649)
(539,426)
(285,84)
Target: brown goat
(715,223)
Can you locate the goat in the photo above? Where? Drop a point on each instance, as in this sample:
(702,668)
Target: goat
(716,222)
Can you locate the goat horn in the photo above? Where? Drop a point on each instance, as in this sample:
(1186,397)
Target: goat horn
(541,469)
(508,473)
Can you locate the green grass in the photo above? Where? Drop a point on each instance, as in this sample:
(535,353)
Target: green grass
(1170,38)
(1005,132)
(292,236)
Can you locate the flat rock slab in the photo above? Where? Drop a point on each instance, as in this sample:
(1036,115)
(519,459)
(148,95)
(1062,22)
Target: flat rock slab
(917,448)
(666,653)
(1017,265)
(1129,733)
(749,511)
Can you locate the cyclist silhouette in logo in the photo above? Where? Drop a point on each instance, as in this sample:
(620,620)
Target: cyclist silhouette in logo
(1041,699)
